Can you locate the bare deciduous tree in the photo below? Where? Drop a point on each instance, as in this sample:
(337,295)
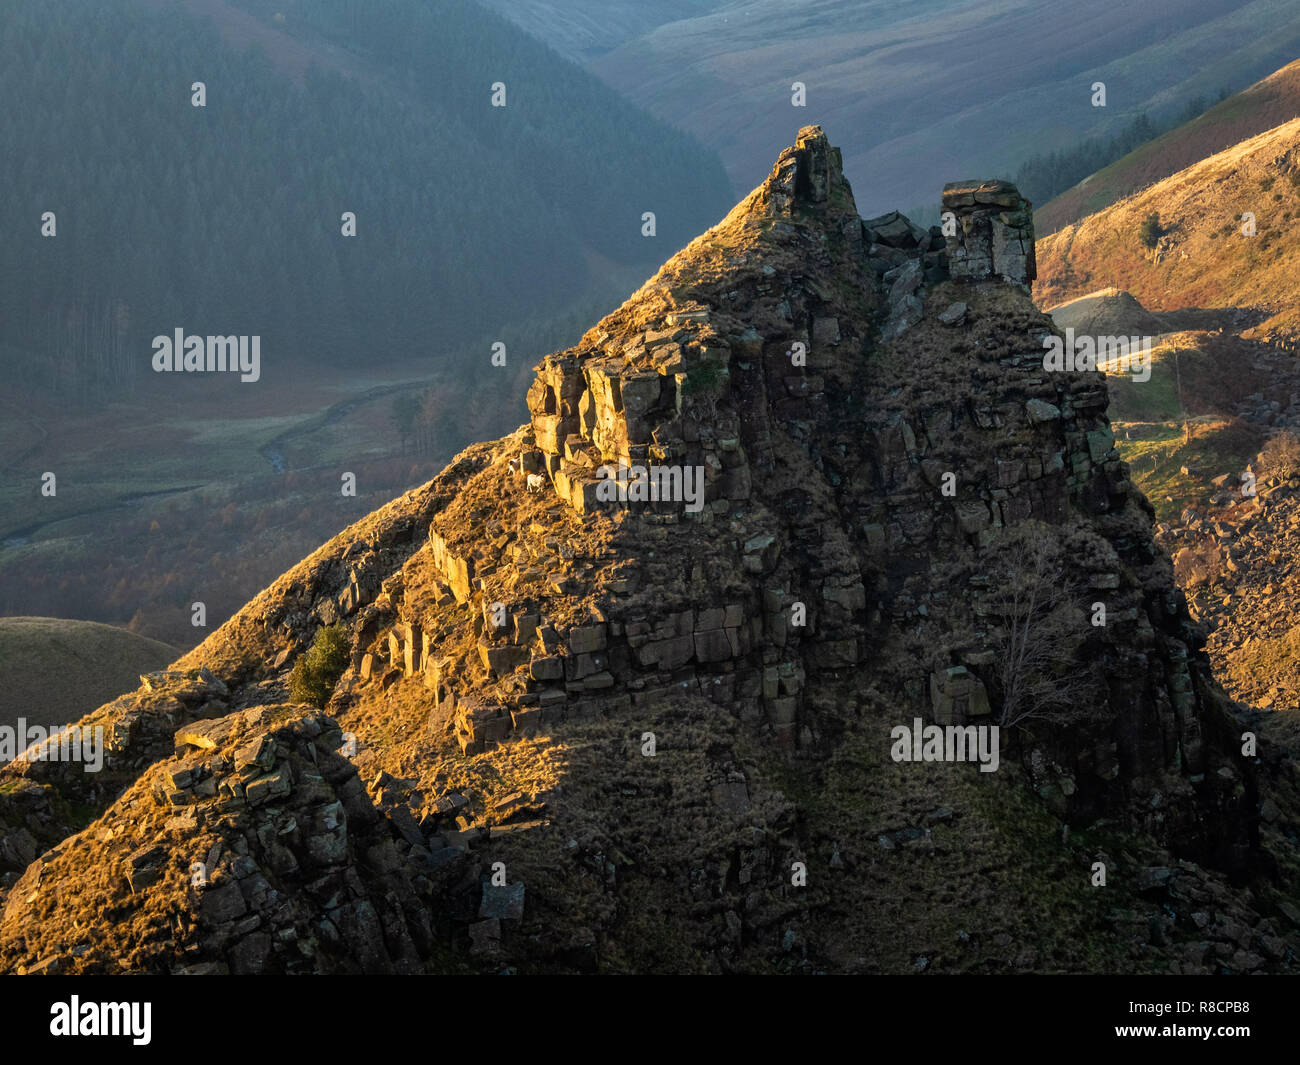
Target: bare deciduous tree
(1280,456)
(1040,632)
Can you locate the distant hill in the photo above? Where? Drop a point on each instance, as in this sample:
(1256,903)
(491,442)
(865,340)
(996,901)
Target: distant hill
(929,86)
(55,670)
(1266,104)
(584,29)
(1108,312)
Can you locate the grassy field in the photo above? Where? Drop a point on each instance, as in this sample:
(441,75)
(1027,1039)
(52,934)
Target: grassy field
(53,671)
(1180,419)
(1157,453)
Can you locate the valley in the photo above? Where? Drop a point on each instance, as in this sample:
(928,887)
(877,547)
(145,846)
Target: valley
(264,460)
(942,86)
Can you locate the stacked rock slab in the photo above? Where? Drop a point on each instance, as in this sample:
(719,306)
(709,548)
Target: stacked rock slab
(255,831)
(994,232)
(908,259)
(958,696)
(633,404)
(655,397)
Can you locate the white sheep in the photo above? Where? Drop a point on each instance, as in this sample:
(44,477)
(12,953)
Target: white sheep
(536,482)
(513,467)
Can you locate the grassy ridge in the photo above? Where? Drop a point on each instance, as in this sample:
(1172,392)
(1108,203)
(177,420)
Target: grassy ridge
(53,670)
(1203,258)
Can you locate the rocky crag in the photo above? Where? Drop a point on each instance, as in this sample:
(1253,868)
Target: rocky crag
(653,732)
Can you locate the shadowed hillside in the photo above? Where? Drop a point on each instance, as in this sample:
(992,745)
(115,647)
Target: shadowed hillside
(302,174)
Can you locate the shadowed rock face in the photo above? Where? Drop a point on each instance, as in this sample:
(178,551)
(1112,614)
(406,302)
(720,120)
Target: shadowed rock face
(881,463)
(837,502)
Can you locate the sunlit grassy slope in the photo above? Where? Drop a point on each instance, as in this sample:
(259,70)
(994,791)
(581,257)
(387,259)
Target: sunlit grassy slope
(54,670)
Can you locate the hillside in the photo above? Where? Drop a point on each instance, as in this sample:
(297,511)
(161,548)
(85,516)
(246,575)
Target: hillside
(1108,312)
(54,671)
(1202,260)
(1202,408)
(227,220)
(1219,306)
(1263,106)
(1236,559)
(1211,436)
(294,172)
(945,86)
(585,29)
(672,720)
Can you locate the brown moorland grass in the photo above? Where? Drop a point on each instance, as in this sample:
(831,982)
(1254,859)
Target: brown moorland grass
(1265,105)
(1203,258)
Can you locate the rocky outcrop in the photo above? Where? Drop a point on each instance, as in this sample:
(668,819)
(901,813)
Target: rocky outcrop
(1235,559)
(786,493)
(255,849)
(823,516)
(994,232)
